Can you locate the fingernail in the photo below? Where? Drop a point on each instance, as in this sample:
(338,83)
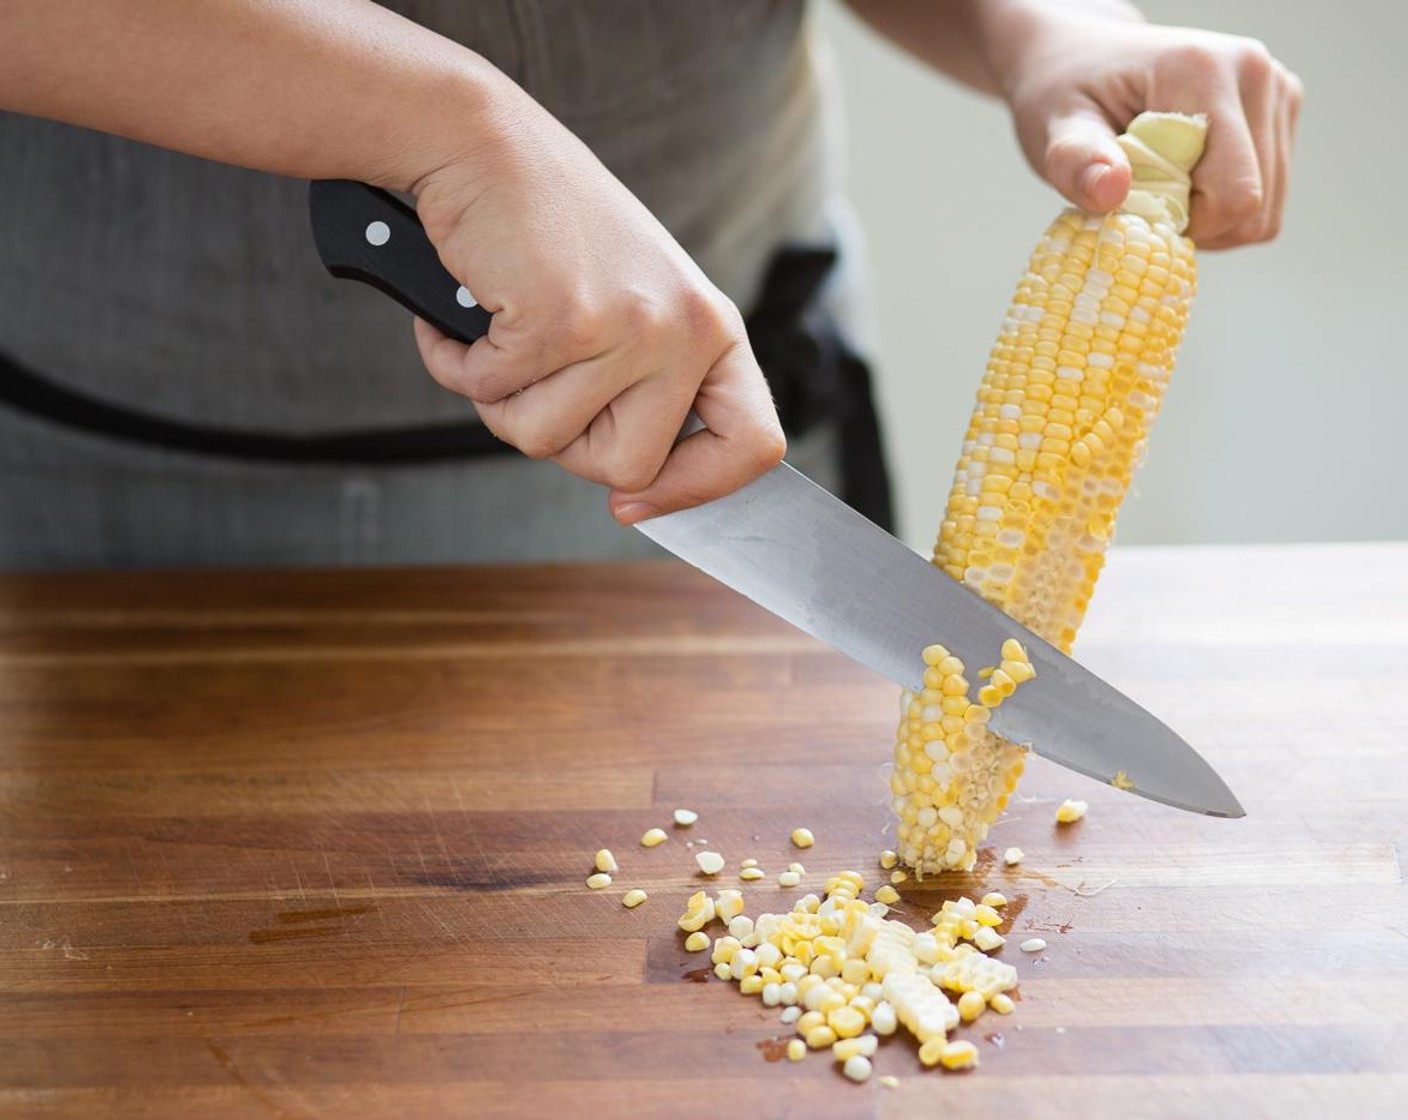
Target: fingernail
(631,512)
(1090,181)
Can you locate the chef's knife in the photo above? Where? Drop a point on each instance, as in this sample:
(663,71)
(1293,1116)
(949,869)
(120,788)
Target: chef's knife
(809,558)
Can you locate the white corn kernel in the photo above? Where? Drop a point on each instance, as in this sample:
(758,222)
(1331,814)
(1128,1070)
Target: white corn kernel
(987,939)
(598,881)
(1033,945)
(606,862)
(797,867)
(887,895)
(633,898)
(748,863)
(1071,811)
(888,859)
(883,1019)
(685,817)
(728,903)
(790,1014)
(889,1081)
(751,874)
(857,1067)
(696,942)
(1013,856)
(789,879)
(995,900)
(740,926)
(711,863)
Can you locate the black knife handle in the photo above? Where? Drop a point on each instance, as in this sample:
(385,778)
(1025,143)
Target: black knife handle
(364,233)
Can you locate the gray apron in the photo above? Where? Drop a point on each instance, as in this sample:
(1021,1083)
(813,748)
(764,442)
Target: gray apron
(174,285)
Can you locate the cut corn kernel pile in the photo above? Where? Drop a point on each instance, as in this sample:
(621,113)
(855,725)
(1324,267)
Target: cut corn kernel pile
(1064,411)
(857,975)
(842,974)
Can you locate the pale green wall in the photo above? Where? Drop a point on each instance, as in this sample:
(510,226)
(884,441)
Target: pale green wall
(1286,417)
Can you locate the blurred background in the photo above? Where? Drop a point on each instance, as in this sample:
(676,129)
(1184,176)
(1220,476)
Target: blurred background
(1282,417)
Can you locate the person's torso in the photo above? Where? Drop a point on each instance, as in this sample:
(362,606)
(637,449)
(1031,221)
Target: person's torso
(189,288)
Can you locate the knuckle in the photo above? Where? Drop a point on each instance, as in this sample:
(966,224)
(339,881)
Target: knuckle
(1254,60)
(709,316)
(769,448)
(631,470)
(538,441)
(1196,57)
(579,325)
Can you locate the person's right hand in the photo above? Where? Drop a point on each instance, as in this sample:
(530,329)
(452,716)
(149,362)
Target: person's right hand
(604,334)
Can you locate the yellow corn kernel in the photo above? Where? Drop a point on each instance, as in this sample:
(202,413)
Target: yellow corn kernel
(994,899)
(606,862)
(1121,780)
(932,1048)
(849,1047)
(959,1055)
(809,1021)
(652,837)
(598,881)
(633,898)
(888,859)
(723,972)
(699,912)
(887,894)
(971,1005)
(803,838)
(855,971)
(728,903)
(696,942)
(1002,1003)
(819,1038)
(986,915)
(788,879)
(846,1021)
(797,868)
(1071,391)
(751,874)
(1071,811)
(889,1081)
(899,876)
(751,985)
(796,1050)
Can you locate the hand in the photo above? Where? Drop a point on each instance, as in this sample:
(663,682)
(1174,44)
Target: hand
(1073,82)
(604,332)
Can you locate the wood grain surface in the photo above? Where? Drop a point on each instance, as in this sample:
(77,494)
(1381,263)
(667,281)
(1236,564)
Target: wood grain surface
(312,845)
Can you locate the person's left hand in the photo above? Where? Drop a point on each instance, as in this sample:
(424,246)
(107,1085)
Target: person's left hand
(1074,82)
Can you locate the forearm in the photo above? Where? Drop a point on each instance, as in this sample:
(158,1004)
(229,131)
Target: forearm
(310,88)
(976,42)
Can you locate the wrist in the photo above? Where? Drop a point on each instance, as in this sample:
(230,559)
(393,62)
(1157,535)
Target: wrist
(458,116)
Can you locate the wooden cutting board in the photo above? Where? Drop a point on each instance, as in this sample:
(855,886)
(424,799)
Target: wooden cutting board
(313,845)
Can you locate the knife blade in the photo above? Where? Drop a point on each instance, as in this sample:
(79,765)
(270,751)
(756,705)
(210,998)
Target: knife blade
(806,556)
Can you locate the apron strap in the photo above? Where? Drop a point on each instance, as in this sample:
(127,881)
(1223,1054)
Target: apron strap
(814,376)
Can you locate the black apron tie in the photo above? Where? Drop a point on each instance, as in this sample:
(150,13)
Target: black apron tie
(813,374)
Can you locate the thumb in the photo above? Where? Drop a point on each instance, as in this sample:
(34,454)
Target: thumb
(1083,160)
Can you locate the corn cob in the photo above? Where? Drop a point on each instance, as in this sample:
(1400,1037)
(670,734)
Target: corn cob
(1063,413)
